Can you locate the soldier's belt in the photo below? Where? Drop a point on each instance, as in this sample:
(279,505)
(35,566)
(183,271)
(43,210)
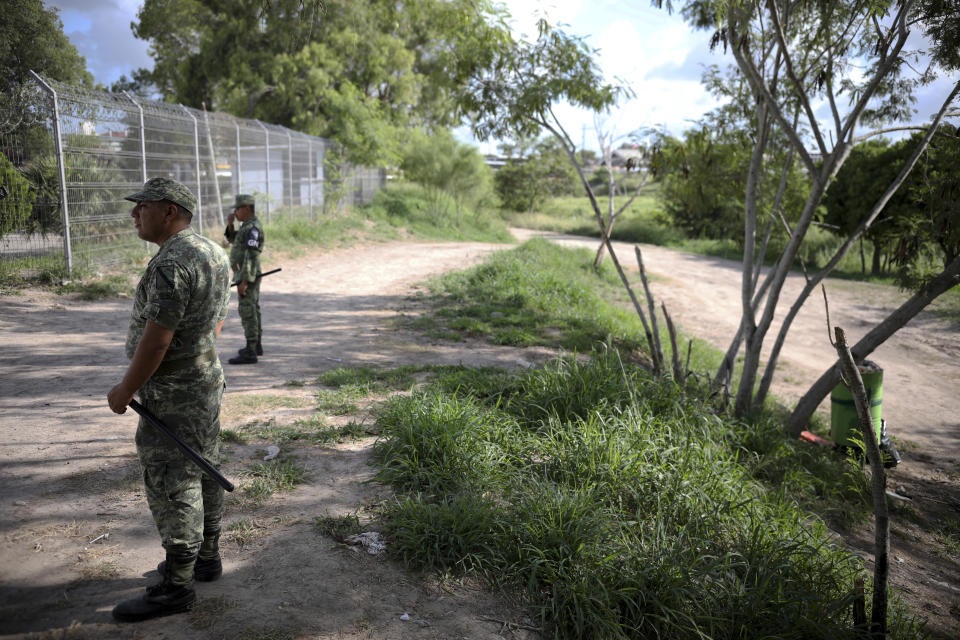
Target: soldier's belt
(170,366)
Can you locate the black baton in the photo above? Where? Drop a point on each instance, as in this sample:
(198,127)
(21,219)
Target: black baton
(202,462)
(259,276)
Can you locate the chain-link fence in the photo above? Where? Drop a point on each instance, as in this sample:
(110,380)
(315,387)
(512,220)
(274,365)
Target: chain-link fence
(71,154)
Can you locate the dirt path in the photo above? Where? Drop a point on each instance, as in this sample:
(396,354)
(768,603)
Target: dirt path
(68,472)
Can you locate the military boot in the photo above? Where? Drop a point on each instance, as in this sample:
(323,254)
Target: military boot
(245,356)
(209,567)
(259,348)
(174,594)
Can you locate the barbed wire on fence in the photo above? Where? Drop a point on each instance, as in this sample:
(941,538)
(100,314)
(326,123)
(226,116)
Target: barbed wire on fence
(74,153)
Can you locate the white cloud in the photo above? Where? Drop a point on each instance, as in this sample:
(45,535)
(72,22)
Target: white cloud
(100,29)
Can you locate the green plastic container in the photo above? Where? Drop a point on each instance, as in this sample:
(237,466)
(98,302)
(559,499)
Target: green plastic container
(844,422)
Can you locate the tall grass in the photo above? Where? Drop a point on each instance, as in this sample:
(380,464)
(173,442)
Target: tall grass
(535,294)
(616,505)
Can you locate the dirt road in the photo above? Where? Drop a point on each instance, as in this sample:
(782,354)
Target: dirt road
(68,473)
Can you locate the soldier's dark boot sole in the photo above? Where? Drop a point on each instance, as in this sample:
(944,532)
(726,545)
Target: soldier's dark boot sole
(154,605)
(243,358)
(208,570)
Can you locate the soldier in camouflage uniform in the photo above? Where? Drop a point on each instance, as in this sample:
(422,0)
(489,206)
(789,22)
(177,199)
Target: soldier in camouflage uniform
(179,308)
(245,260)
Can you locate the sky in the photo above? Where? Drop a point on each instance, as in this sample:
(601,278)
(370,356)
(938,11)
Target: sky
(651,51)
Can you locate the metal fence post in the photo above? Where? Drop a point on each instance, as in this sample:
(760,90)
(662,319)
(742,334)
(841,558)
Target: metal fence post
(213,164)
(311,175)
(290,164)
(239,166)
(196,155)
(62,175)
(143,140)
(266,134)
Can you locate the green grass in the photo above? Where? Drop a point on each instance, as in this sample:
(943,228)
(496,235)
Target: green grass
(537,294)
(263,480)
(434,215)
(110,286)
(620,506)
(337,527)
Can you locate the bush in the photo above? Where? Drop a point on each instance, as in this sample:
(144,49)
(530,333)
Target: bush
(439,161)
(432,213)
(16,203)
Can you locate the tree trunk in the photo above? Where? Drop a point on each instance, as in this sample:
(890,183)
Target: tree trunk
(948,278)
(863,259)
(875,263)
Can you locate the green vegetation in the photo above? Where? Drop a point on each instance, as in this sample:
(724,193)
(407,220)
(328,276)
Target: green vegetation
(536,294)
(263,480)
(433,214)
(337,527)
(619,505)
(110,286)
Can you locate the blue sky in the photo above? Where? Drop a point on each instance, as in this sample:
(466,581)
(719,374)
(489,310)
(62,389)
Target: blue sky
(653,52)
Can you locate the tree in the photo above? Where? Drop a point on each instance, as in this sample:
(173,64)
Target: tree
(792,56)
(872,165)
(32,38)
(359,73)
(536,169)
(515,96)
(931,227)
(441,162)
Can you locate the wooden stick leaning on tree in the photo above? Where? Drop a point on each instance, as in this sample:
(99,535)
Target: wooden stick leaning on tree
(878,482)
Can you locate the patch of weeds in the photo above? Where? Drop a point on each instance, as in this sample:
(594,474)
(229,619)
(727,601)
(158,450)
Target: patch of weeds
(245,531)
(273,432)
(100,571)
(423,323)
(538,293)
(450,336)
(905,511)
(337,527)
(947,533)
(366,380)
(254,404)
(338,403)
(231,435)
(112,286)
(207,612)
(515,338)
(295,383)
(355,430)
(903,445)
(264,480)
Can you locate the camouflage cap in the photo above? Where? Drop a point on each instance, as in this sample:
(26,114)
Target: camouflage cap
(156,189)
(243,200)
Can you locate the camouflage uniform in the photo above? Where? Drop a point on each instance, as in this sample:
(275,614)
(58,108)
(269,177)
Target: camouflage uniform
(248,243)
(185,288)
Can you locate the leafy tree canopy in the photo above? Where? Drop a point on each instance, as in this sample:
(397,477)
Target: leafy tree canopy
(354,72)
(31,37)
